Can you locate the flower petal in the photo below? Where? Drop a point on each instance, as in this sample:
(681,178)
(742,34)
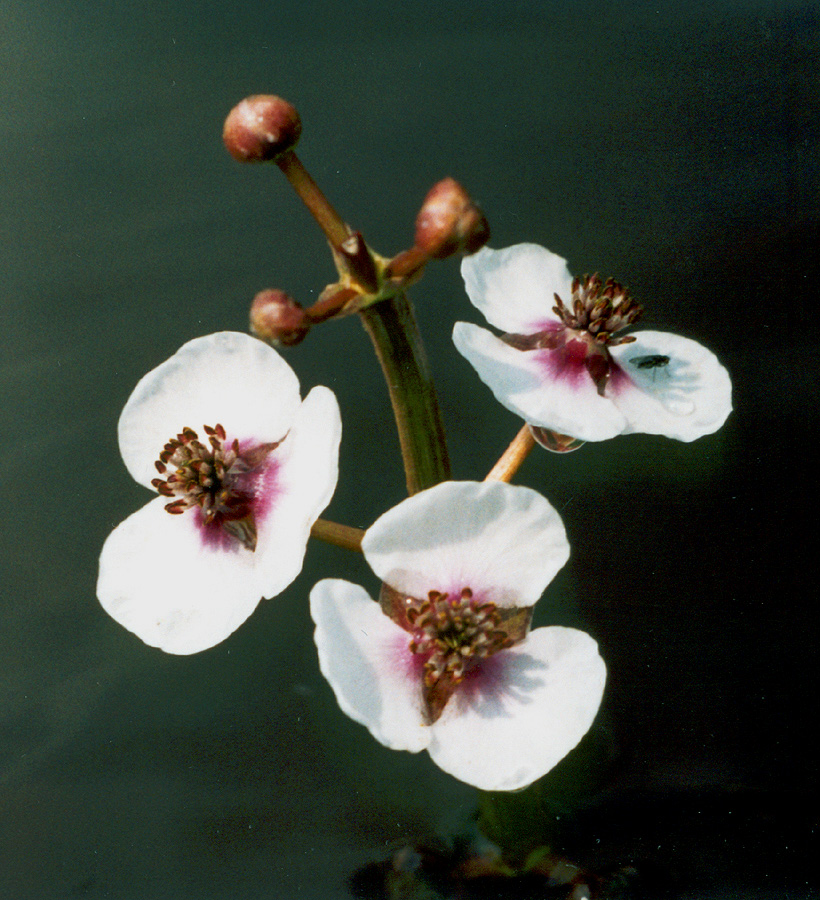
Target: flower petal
(504,542)
(160,580)
(366,659)
(685,398)
(514,288)
(512,727)
(305,478)
(226,378)
(523,382)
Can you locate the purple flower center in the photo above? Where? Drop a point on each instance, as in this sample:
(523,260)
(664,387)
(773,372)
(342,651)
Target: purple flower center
(216,478)
(588,322)
(452,631)
(452,637)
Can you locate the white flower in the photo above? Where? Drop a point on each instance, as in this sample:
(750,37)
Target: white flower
(445,661)
(559,364)
(245,469)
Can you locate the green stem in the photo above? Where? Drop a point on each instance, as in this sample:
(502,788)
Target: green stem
(395,335)
(340,535)
(517,822)
(541,815)
(318,205)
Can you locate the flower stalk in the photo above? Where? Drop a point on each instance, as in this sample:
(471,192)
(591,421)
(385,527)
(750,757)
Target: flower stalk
(513,457)
(392,328)
(310,194)
(344,536)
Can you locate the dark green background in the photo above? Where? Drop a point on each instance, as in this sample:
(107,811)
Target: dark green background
(671,145)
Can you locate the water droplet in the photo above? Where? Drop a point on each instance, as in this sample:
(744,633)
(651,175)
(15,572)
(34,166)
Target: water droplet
(678,406)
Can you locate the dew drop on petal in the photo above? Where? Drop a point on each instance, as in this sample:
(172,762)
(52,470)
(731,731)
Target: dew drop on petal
(678,406)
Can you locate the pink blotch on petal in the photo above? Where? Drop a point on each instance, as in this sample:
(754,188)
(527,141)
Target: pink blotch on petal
(566,363)
(619,381)
(548,326)
(484,678)
(409,664)
(214,537)
(262,484)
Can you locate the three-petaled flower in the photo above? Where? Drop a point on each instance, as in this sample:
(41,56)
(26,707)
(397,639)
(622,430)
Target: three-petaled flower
(561,364)
(243,467)
(445,661)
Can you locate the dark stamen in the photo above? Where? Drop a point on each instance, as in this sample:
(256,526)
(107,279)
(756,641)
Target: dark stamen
(453,633)
(599,308)
(211,477)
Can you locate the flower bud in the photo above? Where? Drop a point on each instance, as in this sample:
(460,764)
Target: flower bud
(260,128)
(449,222)
(278,319)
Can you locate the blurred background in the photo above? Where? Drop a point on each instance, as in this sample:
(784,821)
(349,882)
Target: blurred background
(670,145)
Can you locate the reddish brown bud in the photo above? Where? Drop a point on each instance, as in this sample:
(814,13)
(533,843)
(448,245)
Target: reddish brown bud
(278,318)
(449,222)
(260,128)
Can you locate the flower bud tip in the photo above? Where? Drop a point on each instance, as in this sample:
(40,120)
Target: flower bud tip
(260,128)
(278,319)
(449,222)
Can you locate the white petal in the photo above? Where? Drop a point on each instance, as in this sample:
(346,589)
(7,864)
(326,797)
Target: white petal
(514,288)
(504,542)
(685,399)
(510,729)
(307,468)
(366,659)
(160,579)
(226,378)
(522,381)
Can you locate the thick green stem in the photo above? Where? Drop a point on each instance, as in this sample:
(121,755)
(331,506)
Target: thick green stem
(395,335)
(541,815)
(518,822)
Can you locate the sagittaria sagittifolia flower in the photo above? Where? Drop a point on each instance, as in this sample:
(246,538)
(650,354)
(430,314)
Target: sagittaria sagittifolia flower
(243,467)
(563,363)
(446,661)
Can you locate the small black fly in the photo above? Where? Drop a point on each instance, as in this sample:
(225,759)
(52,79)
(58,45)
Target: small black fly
(650,362)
